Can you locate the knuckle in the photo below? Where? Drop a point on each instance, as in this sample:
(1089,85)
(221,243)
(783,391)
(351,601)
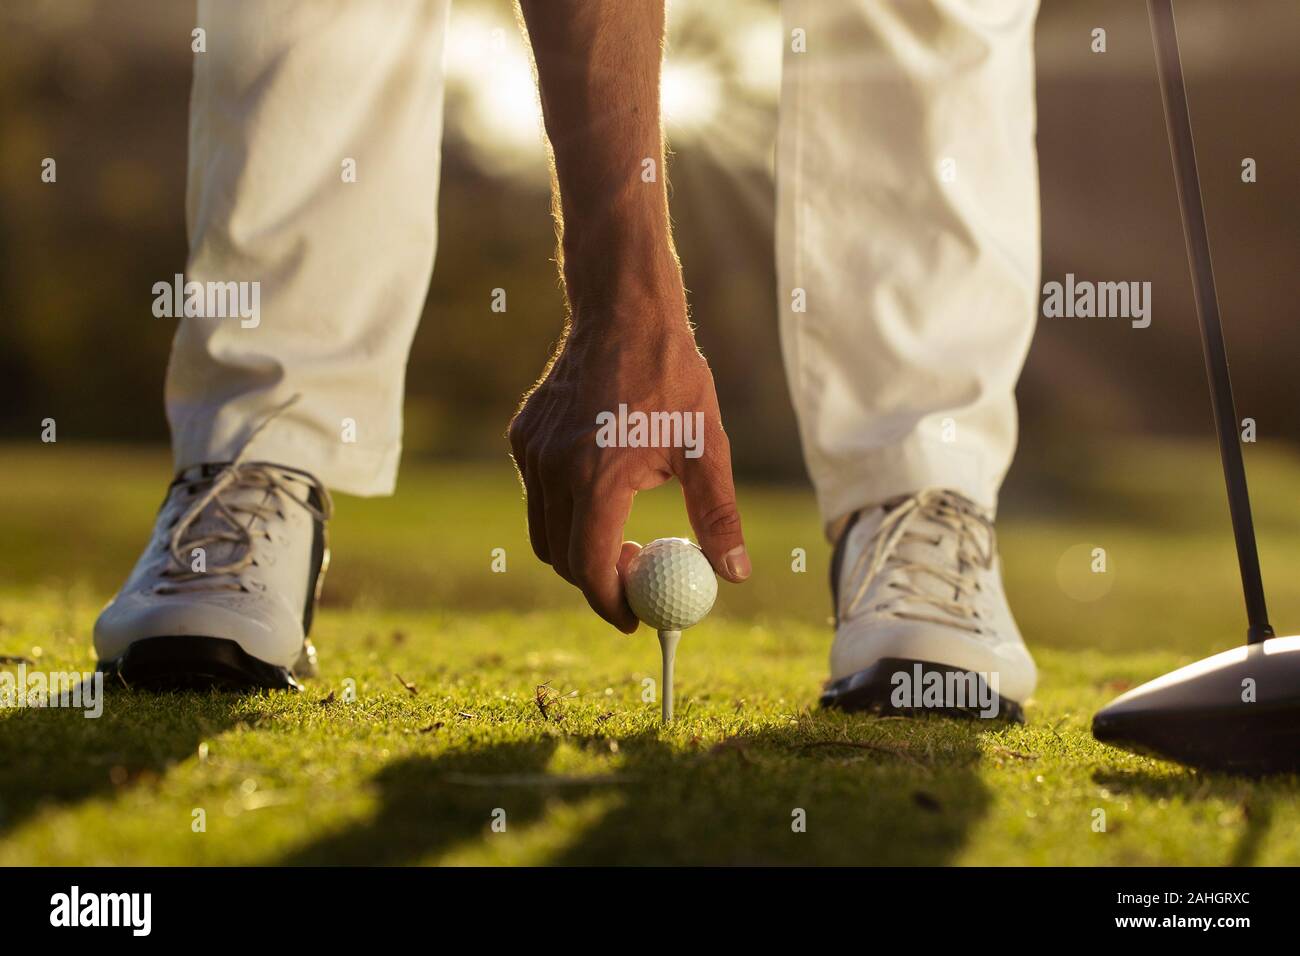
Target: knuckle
(723,519)
(587,572)
(517,434)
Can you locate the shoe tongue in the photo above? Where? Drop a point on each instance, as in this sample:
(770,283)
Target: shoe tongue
(202,472)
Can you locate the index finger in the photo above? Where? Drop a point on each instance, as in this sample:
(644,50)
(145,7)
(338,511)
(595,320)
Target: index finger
(595,546)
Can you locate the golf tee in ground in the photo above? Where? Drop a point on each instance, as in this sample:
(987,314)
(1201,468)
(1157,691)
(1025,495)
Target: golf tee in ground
(668,647)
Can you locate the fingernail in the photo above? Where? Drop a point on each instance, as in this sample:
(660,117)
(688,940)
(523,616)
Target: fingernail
(736,562)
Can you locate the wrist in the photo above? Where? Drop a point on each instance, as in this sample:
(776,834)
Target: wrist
(644,315)
(617,244)
(653,323)
(613,282)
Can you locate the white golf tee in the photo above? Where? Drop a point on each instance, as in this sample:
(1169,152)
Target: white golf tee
(668,647)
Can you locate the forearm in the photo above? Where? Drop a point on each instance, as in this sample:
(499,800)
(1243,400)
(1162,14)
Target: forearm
(598,65)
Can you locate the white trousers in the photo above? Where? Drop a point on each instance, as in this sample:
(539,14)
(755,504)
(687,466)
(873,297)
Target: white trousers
(907,235)
(907,218)
(287,93)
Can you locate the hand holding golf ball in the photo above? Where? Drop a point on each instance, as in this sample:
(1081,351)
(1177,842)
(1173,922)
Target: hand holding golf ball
(670,586)
(590,437)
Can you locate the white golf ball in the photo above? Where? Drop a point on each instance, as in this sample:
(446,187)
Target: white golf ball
(670,584)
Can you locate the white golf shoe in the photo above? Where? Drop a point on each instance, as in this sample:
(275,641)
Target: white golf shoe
(223,595)
(922,620)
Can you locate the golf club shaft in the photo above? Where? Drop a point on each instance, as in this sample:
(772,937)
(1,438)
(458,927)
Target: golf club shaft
(668,646)
(1177,119)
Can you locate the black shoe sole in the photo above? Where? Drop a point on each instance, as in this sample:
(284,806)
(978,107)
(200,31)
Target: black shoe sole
(873,690)
(187,662)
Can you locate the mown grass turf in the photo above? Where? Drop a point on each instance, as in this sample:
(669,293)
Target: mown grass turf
(449,661)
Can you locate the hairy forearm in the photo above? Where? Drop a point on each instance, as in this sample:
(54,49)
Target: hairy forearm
(598,64)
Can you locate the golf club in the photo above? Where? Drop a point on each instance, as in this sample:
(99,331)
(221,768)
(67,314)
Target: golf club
(1238,710)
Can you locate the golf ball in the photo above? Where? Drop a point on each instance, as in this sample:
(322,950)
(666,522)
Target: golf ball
(670,584)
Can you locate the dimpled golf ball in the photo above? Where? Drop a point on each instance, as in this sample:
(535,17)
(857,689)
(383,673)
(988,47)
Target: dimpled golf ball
(670,584)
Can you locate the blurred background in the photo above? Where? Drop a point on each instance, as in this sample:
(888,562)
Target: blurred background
(104,86)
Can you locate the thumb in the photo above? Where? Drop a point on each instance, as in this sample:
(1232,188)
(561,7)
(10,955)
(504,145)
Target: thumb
(711,506)
(629,551)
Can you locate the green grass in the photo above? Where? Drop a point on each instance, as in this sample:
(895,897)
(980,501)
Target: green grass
(414,776)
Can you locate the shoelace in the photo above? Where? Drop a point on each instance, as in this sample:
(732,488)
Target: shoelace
(237,531)
(976,549)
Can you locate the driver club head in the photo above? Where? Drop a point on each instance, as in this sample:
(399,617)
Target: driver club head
(1238,711)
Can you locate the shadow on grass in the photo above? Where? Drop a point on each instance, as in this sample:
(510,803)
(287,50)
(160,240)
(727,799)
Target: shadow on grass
(55,757)
(1251,794)
(883,803)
